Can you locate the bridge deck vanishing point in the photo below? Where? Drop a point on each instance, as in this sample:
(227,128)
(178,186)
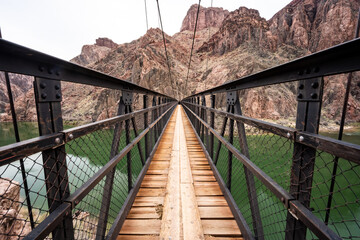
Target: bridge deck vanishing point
(179,197)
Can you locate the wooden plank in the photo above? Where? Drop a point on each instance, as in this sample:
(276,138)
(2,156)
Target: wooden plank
(137,237)
(148,201)
(171,222)
(153,184)
(209,237)
(198,178)
(192,226)
(145,212)
(155,178)
(206,184)
(203,172)
(211,201)
(208,191)
(157,172)
(221,227)
(141,226)
(197,167)
(216,212)
(151,192)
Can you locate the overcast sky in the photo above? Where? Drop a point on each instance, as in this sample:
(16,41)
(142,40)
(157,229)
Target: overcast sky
(61,27)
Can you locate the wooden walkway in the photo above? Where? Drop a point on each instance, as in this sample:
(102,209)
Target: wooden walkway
(179,197)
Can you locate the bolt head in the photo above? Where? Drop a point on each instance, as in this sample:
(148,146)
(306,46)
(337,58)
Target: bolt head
(300,96)
(288,135)
(58,96)
(43,95)
(71,136)
(315,85)
(301,138)
(313,95)
(57,140)
(57,87)
(301,86)
(41,68)
(42,85)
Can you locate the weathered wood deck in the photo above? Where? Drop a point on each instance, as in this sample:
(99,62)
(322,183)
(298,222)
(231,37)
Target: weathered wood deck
(179,197)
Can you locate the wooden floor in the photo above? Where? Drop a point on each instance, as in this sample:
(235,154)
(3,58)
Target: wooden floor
(179,197)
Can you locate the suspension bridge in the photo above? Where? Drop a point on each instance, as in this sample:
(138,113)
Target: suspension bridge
(191,168)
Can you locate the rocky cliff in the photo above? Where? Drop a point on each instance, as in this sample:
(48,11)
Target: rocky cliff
(240,43)
(93,53)
(208,17)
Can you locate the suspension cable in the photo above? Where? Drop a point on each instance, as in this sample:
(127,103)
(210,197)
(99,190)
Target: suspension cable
(207,55)
(166,52)
(192,47)
(146,15)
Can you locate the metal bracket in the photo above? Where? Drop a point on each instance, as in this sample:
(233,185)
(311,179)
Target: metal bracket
(231,98)
(309,90)
(127,98)
(48,90)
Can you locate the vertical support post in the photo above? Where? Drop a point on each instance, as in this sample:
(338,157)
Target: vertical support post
(231,99)
(202,116)
(48,105)
(160,112)
(308,118)
(127,97)
(136,134)
(109,181)
(198,113)
(146,124)
(249,177)
(154,116)
(223,129)
(212,125)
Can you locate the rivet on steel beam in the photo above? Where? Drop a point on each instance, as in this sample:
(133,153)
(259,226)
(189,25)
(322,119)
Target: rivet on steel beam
(301,138)
(301,72)
(41,68)
(50,71)
(315,85)
(71,136)
(313,95)
(76,202)
(43,95)
(282,199)
(300,96)
(57,86)
(42,85)
(316,69)
(57,73)
(288,135)
(58,96)
(57,140)
(301,86)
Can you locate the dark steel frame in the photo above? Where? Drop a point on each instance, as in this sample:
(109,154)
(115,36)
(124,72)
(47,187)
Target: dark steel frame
(49,72)
(309,71)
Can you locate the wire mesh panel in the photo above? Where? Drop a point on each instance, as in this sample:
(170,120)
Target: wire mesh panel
(261,192)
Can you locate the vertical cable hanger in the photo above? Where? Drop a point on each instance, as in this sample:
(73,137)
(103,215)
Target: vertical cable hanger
(207,56)
(192,48)
(166,52)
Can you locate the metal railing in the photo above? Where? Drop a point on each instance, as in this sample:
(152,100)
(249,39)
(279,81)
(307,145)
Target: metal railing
(283,182)
(80,182)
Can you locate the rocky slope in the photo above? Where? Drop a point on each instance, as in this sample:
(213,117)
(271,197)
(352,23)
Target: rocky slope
(240,43)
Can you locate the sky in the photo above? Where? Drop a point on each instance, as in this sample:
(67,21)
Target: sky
(61,27)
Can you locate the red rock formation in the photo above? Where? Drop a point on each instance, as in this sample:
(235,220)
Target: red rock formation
(208,17)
